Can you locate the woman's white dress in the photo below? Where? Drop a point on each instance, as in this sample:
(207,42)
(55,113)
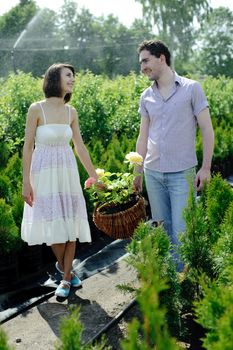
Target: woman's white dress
(59,210)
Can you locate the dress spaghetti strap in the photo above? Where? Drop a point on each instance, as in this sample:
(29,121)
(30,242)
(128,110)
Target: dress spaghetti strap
(69,113)
(43,113)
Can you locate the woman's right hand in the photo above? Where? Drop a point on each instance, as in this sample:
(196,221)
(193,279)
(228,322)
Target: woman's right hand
(137,184)
(27,194)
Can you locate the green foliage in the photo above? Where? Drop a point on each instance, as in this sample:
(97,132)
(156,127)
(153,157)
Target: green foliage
(117,188)
(175,23)
(207,248)
(218,198)
(9,238)
(158,293)
(4,154)
(97,152)
(5,188)
(3,341)
(71,334)
(14,172)
(18,92)
(150,256)
(71,331)
(107,107)
(215,313)
(17,208)
(108,115)
(223,249)
(152,332)
(219,94)
(14,21)
(215,42)
(195,246)
(68,35)
(203,224)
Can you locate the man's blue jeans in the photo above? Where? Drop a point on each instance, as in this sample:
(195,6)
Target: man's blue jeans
(168,193)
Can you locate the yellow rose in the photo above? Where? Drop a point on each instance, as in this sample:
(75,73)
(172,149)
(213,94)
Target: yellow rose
(100,172)
(134,158)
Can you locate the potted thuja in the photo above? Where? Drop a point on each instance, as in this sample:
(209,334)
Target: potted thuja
(118,209)
(10,243)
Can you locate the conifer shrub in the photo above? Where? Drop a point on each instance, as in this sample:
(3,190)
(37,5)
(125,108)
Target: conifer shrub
(214,311)
(207,247)
(10,241)
(4,153)
(219,94)
(5,188)
(17,208)
(203,224)
(195,248)
(71,330)
(219,197)
(14,172)
(223,248)
(97,152)
(150,256)
(152,332)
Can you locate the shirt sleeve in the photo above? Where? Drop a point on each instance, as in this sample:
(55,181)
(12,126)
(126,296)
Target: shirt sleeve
(142,108)
(199,100)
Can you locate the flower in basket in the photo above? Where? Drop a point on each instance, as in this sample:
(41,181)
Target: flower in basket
(117,189)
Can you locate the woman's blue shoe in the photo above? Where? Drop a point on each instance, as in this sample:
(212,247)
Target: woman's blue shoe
(75,281)
(63,289)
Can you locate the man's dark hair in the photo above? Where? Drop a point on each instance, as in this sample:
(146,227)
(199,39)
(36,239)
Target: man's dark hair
(52,81)
(156,48)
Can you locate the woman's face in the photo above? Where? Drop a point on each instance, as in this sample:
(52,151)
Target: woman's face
(67,80)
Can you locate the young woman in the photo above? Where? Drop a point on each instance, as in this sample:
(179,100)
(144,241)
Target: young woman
(55,210)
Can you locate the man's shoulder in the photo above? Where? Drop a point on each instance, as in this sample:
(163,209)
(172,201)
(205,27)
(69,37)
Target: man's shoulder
(147,91)
(185,81)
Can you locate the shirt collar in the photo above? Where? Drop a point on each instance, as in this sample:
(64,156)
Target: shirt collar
(177,80)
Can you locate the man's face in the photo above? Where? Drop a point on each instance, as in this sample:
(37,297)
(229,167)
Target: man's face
(150,65)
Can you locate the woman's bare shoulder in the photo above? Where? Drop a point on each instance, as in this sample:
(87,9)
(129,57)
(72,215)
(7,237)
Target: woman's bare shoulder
(35,106)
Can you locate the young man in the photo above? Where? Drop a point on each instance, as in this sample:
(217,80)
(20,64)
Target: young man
(170,110)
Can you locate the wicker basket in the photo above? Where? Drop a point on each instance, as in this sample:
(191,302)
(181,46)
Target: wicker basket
(123,223)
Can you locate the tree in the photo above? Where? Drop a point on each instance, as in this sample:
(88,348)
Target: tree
(216,45)
(14,21)
(174,21)
(11,25)
(102,45)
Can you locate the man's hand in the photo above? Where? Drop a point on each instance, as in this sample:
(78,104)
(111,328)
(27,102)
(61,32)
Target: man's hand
(203,176)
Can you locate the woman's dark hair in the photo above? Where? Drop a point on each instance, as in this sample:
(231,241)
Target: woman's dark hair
(156,48)
(52,81)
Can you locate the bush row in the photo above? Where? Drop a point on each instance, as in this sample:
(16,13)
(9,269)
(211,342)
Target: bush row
(108,107)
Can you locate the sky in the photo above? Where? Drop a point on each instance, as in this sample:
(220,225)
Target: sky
(125,10)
